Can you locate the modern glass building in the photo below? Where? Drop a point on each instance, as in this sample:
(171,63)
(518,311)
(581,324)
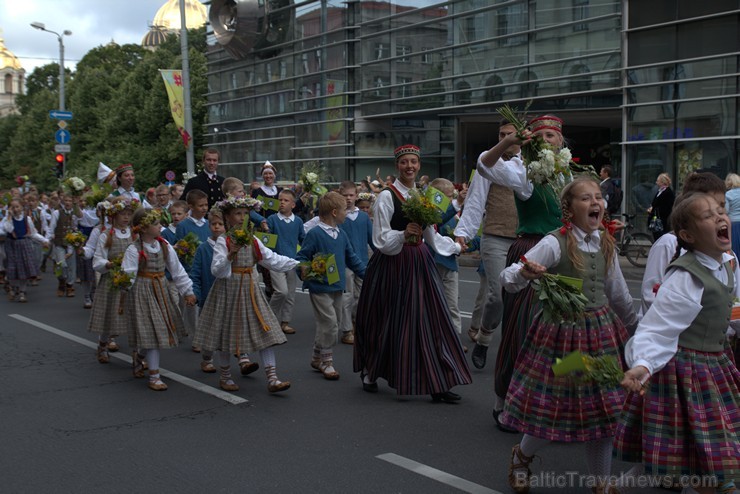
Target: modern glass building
(649,86)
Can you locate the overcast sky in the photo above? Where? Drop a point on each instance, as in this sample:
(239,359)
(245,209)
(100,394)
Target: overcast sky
(92,22)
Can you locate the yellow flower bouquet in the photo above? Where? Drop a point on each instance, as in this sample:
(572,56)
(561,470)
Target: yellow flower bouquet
(75,239)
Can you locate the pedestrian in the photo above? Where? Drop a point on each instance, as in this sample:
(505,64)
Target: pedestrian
(660,208)
(545,407)
(732,200)
(22,259)
(107,319)
(236,317)
(153,319)
(404,333)
(125,179)
(268,190)
(35,212)
(63,221)
(325,240)
(681,418)
(208,180)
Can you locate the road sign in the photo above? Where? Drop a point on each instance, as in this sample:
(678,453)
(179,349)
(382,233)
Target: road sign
(62,148)
(170,175)
(62,136)
(62,124)
(60,115)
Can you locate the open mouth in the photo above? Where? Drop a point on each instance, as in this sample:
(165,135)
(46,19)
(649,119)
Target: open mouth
(594,214)
(724,233)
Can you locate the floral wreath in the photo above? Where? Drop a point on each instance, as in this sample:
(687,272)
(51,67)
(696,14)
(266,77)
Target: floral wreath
(150,218)
(113,208)
(366,196)
(233,202)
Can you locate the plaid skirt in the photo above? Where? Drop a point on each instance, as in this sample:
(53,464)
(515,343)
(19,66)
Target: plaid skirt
(518,313)
(559,408)
(237,318)
(108,310)
(152,315)
(22,259)
(404,332)
(85,271)
(688,421)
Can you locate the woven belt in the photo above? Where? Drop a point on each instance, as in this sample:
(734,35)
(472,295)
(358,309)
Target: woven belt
(241,270)
(152,275)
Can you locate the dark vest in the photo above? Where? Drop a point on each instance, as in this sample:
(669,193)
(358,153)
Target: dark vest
(592,275)
(398,220)
(64,226)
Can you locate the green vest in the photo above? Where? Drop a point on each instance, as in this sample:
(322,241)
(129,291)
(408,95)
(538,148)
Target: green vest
(706,333)
(540,214)
(593,276)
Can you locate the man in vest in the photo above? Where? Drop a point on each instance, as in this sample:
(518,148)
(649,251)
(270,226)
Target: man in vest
(207,180)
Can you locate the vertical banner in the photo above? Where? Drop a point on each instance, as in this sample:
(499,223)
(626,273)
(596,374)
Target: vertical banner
(173,84)
(334,110)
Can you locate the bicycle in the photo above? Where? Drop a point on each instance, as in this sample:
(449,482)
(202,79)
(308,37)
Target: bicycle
(634,245)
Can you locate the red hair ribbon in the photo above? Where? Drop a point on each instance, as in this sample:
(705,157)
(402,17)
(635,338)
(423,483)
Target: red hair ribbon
(610,226)
(566,226)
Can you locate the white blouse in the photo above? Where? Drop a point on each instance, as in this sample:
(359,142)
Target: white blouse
(221,265)
(676,305)
(100,256)
(92,243)
(658,260)
(547,252)
(180,277)
(390,242)
(7,227)
(511,174)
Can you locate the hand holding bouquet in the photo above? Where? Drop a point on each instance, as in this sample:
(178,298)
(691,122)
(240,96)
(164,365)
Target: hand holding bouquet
(119,279)
(561,296)
(311,177)
(321,268)
(75,239)
(604,370)
(186,247)
(73,186)
(420,209)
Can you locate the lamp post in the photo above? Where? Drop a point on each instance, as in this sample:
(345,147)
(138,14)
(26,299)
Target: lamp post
(41,27)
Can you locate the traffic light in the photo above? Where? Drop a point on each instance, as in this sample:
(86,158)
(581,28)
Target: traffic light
(60,164)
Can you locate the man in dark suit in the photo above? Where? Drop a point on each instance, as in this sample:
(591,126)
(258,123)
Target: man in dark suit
(208,180)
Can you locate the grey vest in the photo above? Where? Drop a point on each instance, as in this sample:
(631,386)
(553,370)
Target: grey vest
(592,275)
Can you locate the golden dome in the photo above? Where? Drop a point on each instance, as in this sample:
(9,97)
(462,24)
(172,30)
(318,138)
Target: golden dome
(7,59)
(168,15)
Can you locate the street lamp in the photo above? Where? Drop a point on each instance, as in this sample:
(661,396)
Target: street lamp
(41,27)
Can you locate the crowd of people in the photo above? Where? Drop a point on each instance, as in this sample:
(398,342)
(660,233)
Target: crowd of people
(181,262)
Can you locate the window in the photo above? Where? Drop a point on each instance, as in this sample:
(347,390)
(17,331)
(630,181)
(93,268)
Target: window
(580,81)
(580,13)
(463,96)
(405,90)
(304,62)
(426,57)
(512,20)
(494,89)
(403,51)
(380,51)
(8,83)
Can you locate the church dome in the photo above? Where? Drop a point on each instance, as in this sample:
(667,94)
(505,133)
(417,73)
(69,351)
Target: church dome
(7,59)
(154,37)
(168,16)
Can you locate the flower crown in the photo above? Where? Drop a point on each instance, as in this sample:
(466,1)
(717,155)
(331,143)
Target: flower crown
(118,206)
(233,202)
(366,196)
(150,218)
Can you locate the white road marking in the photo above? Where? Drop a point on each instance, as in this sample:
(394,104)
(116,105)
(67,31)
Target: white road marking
(434,474)
(191,383)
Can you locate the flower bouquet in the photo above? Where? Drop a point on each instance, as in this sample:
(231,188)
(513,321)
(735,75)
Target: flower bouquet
(420,209)
(97,194)
(119,279)
(187,176)
(75,239)
(322,268)
(311,177)
(241,236)
(604,370)
(561,296)
(73,186)
(186,247)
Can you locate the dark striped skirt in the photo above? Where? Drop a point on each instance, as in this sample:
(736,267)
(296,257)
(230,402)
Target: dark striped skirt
(22,259)
(688,421)
(85,271)
(404,333)
(108,315)
(519,311)
(561,408)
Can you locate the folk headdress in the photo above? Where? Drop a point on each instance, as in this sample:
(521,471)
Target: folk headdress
(406,149)
(546,122)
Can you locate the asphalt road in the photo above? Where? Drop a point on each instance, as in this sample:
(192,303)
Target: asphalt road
(69,424)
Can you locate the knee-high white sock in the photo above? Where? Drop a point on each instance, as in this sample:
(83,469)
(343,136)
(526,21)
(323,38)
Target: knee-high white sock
(530,444)
(268,357)
(152,358)
(599,457)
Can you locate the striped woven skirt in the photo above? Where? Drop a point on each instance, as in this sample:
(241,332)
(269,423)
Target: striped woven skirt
(688,421)
(22,259)
(562,408)
(519,311)
(85,271)
(404,333)
(108,315)
(153,315)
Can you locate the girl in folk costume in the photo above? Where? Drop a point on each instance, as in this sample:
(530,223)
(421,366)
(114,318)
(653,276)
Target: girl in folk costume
(85,272)
(22,258)
(236,317)
(546,407)
(682,415)
(153,317)
(404,333)
(107,318)
(34,211)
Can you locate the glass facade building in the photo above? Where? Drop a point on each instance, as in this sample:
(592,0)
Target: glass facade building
(646,86)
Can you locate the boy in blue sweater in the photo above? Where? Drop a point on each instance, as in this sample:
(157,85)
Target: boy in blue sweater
(289,230)
(326,299)
(359,229)
(200,274)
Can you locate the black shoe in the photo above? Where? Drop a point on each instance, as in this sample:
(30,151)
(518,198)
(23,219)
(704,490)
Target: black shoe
(479,356)
(369,387)
(447,397)
(501,426)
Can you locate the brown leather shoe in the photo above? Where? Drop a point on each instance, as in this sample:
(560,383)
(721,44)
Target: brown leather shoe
(348,338)
(518,479)
(327,369)
(277,386)
(157,385)
(69,291)
(287,329)
(207,366)
(228,385)
(246,367)
(138,365)
(113,346)
(102,355)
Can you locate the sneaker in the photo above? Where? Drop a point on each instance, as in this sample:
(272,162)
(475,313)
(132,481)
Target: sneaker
(22,297)
(88,302)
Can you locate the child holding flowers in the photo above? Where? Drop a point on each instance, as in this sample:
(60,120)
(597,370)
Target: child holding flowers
(22,259)
(154,321)
(681,418)
(107,319)
(404,333)
(546,407)
(64,220)
(321,242)
(236,317)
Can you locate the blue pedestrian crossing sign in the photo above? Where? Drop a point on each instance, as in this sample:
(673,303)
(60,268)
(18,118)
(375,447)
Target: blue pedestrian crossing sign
(62,136)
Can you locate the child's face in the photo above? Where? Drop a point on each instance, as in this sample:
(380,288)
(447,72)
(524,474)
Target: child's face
(364,206)
(710,232)
(68,202)
(587,206)
(152,231)
(350,195)
(32,202)
(235,217)
(16,208)
(176,191)
(286,204)
(199,209)
(720,198)
(237,191)
(54,202)
(163,198)
(122,219)
(178,214)
(217,227)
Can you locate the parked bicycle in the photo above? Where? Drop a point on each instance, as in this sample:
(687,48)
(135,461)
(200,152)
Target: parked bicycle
(634,245)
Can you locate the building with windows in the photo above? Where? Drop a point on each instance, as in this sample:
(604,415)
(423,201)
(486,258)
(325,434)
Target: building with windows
(646,86)
(12,80)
